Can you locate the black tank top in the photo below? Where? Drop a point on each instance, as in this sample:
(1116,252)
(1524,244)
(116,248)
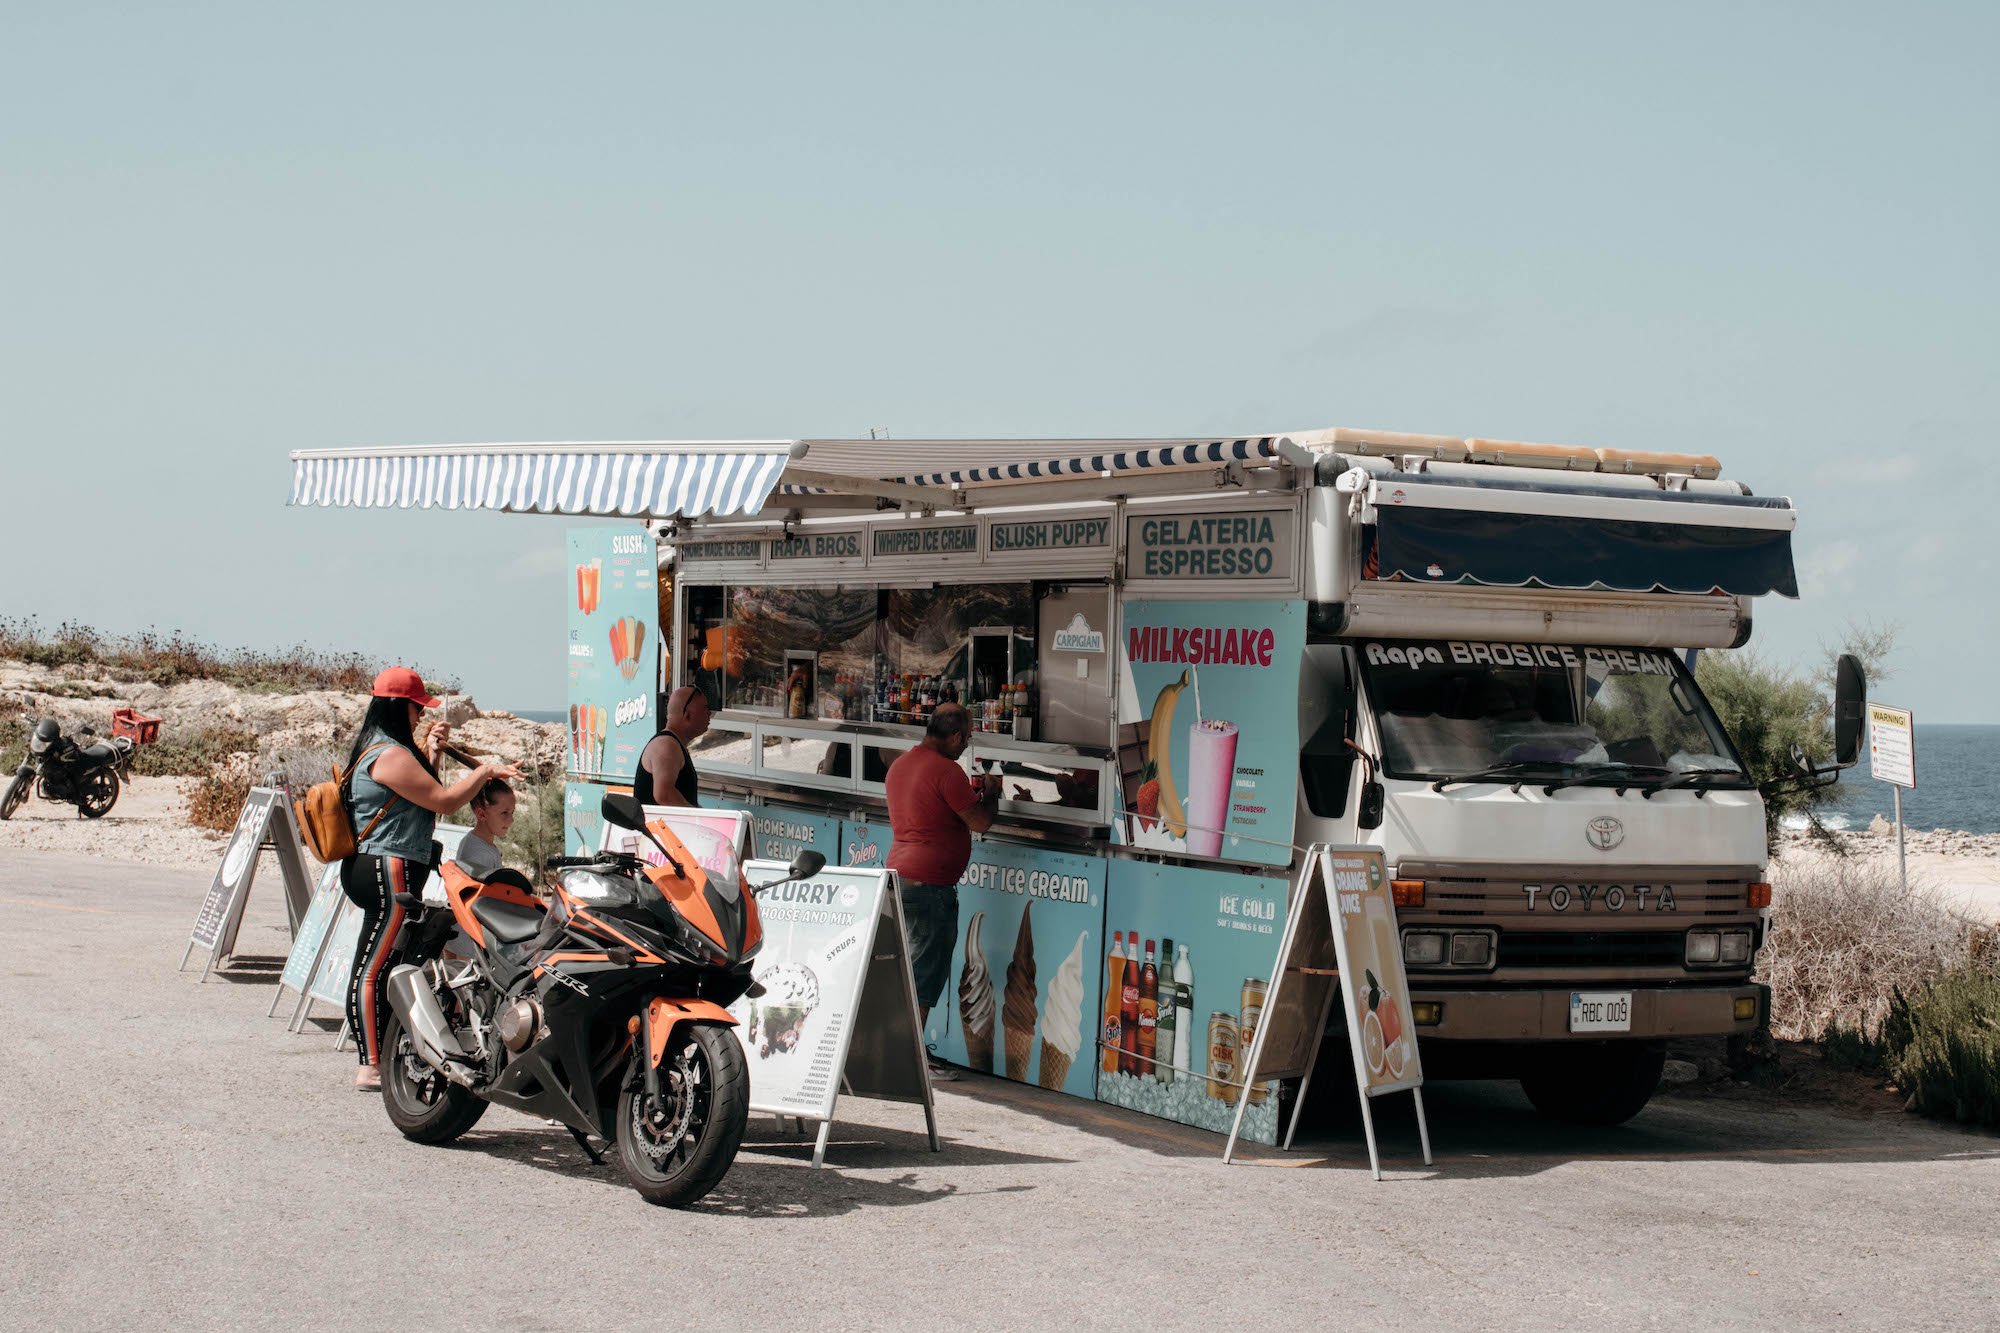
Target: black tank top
(686,783)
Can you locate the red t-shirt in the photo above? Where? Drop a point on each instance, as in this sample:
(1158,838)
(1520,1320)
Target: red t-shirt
(929,842)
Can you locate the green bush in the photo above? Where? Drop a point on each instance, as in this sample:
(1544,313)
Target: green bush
(538,821)
(1942,1046)
(13,745)
(191,754)
(1766,710)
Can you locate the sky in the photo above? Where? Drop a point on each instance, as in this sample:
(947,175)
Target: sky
(228,231)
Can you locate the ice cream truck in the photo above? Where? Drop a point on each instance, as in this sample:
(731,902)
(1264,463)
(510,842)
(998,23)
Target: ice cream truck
(1190,659)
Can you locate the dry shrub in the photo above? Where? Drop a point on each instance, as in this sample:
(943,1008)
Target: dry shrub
(216,800)
(170,658)
(1845,938)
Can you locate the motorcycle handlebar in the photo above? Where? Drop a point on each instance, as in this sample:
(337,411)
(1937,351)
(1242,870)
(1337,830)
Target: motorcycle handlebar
(569,862)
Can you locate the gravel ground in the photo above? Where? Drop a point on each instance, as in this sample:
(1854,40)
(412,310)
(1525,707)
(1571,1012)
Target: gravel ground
(172,1157)
(148,825)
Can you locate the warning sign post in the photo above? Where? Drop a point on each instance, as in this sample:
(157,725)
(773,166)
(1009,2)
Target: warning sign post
(1892,758)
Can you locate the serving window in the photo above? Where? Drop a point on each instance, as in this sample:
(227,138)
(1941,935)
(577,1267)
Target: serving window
(782,651)
(1029,661)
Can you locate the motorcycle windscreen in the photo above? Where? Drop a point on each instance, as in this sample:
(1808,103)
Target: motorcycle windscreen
(1513,550)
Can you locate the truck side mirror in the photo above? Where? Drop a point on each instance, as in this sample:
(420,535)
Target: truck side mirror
(1369,814)
(1850,702)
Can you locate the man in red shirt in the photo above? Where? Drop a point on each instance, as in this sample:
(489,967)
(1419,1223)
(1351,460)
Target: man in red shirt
(933,812)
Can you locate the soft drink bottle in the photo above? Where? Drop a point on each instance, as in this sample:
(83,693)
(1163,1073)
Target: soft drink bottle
(1128,1010)
(1149,1012)
(1184,1034)
(1113,982)
(1164,1019)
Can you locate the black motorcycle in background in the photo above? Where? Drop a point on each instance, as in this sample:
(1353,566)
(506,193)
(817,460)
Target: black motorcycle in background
(73,770)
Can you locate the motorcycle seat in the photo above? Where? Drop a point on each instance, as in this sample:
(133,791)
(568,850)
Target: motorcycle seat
(509,923)
(99,753)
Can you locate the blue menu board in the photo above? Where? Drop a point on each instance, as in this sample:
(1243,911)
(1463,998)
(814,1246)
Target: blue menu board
(613,648)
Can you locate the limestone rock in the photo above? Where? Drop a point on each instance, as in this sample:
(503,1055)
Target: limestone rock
(1678,1072)
(1880,827)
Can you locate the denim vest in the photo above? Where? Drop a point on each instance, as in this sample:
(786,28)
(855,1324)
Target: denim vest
(407,829)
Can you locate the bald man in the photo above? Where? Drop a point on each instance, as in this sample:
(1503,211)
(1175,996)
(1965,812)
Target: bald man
(666,770)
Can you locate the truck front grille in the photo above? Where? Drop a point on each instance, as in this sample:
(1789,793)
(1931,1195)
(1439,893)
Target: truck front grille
(1583,949)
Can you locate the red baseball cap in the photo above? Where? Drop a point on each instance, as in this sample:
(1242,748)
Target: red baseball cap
(402,683)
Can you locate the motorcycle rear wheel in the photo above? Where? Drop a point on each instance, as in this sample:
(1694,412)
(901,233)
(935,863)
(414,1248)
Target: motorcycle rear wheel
(97,793)
(422,1103)
(707,1088)
(17,794)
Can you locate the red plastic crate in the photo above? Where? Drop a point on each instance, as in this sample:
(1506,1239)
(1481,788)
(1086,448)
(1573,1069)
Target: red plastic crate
(128,722)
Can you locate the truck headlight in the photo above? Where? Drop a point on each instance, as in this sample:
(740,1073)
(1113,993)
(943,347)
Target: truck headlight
(1423,948)
(1471,948)
(1726,947)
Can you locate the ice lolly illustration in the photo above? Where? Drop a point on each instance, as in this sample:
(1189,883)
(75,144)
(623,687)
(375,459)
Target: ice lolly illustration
(1211,775)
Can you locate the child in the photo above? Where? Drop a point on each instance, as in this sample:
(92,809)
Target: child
(478,854)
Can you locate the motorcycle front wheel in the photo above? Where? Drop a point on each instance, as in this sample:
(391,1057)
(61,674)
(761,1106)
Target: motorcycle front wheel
(424,1104)
(17,794)
(97,793)
(679,1151)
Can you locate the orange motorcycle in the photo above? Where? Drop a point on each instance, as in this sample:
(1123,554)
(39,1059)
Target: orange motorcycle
(605,1009)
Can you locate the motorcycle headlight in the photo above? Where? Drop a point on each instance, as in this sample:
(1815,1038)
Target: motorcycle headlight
(598,889)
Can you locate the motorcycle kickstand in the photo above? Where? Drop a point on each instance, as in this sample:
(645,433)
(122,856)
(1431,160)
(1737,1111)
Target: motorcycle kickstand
(582,1142)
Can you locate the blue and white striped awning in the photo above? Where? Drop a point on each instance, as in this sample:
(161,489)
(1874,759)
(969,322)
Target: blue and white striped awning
(623,479)
(999,461)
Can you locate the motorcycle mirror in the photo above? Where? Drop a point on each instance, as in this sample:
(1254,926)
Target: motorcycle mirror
(807,864)
(623,812)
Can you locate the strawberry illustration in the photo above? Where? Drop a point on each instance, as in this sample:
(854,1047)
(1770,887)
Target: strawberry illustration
(1147,801)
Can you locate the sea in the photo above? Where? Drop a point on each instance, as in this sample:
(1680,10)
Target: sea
(1958,785)
(539,714)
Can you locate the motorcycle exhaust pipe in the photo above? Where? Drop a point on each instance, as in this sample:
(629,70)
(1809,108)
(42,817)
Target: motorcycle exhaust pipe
(416,1005)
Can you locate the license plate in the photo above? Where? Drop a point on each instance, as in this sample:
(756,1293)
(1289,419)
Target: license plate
(1600,1011)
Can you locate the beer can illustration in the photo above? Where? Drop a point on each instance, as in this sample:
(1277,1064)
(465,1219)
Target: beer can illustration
(1253,1013)
(1223,1040)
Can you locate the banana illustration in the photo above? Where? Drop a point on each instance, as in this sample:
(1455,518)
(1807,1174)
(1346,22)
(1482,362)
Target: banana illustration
(1159,745)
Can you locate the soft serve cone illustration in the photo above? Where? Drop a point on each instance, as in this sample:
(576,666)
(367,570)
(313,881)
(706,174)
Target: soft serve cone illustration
(975,999)
(1062,1018)
(1017,1013)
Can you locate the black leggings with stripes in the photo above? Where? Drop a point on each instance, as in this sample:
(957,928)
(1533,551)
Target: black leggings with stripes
(373,881)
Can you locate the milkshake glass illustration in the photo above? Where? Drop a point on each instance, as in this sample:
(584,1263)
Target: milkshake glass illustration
(1211,774)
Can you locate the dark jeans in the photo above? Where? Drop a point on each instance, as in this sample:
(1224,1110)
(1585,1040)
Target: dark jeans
(930,924)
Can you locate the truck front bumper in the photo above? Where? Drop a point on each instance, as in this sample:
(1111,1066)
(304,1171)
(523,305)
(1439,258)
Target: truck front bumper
(1543,1015)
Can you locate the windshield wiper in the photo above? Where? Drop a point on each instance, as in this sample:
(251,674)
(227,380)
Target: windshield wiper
(1497,773)
(1691,777)
(1596,771)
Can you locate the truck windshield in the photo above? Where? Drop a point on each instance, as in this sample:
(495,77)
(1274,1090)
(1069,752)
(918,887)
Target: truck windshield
(1457,710)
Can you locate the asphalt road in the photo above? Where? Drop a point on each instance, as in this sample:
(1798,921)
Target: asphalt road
(174,1157)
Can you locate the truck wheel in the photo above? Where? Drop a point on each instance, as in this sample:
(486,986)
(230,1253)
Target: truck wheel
(1600,1083)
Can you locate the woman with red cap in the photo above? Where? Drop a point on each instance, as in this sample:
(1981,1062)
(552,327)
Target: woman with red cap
(395,798)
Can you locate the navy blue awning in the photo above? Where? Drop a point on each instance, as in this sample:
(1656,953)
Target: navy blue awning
(1440,546)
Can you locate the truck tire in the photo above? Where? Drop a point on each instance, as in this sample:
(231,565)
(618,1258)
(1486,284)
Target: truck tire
(1595,1083)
